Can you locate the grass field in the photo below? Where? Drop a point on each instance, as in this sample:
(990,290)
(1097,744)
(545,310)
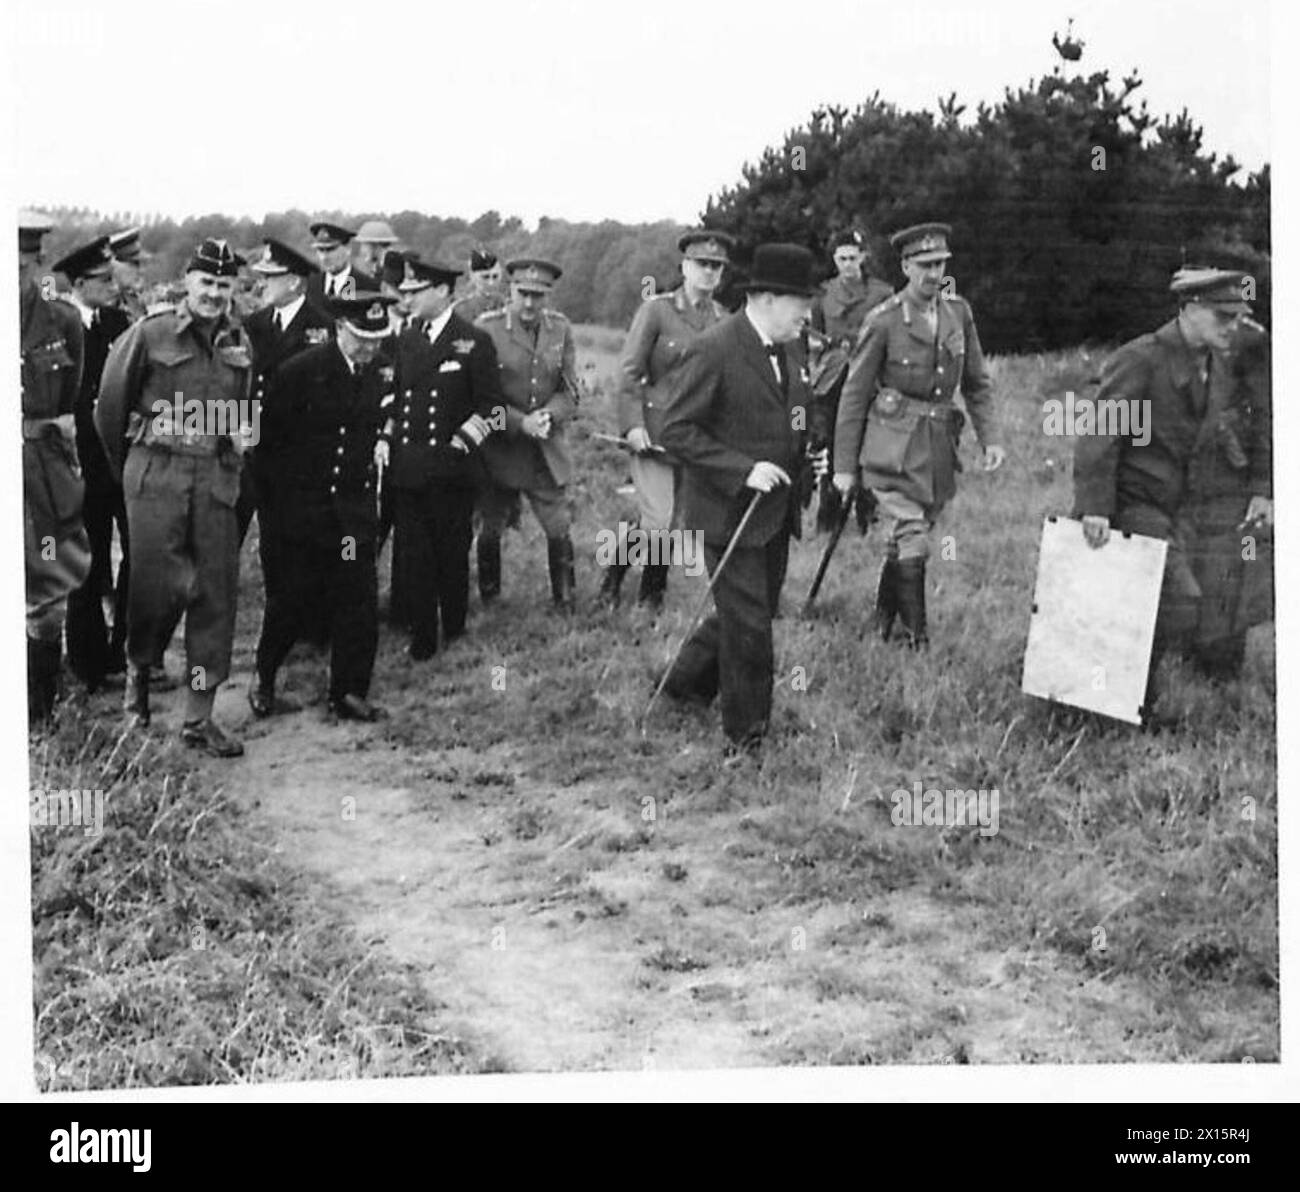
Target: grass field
(504,876)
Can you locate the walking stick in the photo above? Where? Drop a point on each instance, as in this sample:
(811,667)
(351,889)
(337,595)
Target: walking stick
(379,490)
(699,608)
(845,512)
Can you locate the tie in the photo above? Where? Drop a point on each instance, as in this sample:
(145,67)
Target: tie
(777,353)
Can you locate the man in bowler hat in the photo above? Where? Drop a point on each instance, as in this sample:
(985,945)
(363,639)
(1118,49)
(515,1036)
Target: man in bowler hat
(737,412)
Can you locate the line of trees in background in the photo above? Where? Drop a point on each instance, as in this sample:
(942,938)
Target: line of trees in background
(1071,206)
(604,264)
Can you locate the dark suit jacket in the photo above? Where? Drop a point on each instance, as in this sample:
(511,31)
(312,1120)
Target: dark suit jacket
(363,282)
(109,324)
(439,387)
(725,412)
(318,433)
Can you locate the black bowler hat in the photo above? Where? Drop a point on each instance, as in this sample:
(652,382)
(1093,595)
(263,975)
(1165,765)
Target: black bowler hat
(216,257)
(782,269)
(481,258)
(90,260)
(366,314)
(420,275)
(279,259)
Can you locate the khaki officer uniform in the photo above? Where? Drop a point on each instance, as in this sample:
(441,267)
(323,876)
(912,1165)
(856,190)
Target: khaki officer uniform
(898,423)
(181,484)
(662,330)
(843,305)
(56,550)
(537,367)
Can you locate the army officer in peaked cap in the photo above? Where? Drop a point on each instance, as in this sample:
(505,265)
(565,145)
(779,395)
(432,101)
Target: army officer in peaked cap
(662,330)
(898,424)
(529,455)
(93,651)
(447,391)
(55,548)
(128,271)
(323,416)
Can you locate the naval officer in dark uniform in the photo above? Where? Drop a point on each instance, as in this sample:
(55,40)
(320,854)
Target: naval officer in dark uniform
(322,421)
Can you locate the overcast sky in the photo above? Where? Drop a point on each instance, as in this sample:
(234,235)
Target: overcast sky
(574,108)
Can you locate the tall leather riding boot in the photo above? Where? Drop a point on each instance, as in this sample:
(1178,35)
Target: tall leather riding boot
(44,661)
(559,560)
(910,586)
(887,597)
(136,701)
(654,583)
(611,585)
(489,567)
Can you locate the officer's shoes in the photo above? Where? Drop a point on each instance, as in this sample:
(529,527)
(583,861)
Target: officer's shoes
(354,707)
(206,735)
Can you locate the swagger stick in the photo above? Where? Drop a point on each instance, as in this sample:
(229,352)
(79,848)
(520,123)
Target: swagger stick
(830,550)
(699,608)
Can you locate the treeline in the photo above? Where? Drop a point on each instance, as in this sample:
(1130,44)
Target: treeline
(605,264)
(1071,204)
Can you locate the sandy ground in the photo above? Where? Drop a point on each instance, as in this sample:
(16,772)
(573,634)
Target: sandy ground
(563,930)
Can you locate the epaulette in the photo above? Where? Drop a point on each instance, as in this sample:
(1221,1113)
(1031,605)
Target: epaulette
(497,313)
(154,309)
(1258,328)
(952,297)
(555,314)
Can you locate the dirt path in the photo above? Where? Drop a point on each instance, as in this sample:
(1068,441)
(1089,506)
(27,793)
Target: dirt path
(562,932)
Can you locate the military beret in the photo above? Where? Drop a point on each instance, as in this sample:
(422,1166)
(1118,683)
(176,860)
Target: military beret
(481,258)
(366,314)
(125,245)
(329,235)
(215,257)
(90,260)
(376,231)
(278,258)
(420,275)
(1223,289)
(923,242)
(533,273)
(850,237)
(32,226)
(706,244)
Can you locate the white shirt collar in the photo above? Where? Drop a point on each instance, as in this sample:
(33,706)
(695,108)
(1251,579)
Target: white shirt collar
(334,280)
(87,314)
(284,315)
(352,368)
(763,335)
(434,329)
